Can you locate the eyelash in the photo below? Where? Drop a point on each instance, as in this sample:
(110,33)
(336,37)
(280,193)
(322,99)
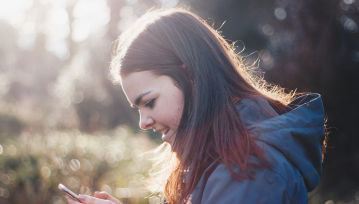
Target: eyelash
(151,103)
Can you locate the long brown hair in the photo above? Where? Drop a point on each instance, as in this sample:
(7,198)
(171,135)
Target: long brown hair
(213,78)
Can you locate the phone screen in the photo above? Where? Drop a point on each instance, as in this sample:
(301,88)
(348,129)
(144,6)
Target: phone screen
(69,192)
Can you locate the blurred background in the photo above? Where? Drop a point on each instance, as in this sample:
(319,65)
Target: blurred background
(62,120)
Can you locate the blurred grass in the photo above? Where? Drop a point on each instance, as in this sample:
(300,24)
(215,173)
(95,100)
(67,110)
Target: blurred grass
(32,164)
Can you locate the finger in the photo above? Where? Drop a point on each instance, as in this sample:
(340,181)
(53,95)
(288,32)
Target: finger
(102,195)
(92,200)
(71,201)
(106,196)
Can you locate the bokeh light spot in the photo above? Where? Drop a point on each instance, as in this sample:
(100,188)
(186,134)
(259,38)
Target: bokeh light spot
(75,164)
(349,1)
(349,24)
(267,30)
(280,14)
(329,202)
(45,172)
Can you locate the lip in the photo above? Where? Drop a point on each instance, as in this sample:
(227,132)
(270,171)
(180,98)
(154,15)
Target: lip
(162,131)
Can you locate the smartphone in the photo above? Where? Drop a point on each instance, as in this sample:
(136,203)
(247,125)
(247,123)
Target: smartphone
(69,192)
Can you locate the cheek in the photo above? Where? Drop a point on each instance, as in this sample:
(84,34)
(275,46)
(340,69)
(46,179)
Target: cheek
(169,116)
(177,113)
(170,112)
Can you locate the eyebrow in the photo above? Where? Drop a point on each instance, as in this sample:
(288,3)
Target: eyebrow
(139,98)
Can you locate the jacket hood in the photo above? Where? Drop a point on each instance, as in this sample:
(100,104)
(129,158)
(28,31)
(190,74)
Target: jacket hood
(297,134)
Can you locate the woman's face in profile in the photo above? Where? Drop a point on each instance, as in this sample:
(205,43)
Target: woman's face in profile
(158,100)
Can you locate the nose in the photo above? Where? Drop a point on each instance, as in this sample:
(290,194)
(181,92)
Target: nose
(146,120)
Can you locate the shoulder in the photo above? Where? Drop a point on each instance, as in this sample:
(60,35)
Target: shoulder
(221,187)
(267,186)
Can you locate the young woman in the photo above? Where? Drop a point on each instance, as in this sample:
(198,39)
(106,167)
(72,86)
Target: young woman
(236,138)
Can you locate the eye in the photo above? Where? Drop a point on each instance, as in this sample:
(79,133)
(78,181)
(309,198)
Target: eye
(150,103)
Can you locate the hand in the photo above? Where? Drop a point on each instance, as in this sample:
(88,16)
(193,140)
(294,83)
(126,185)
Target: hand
(99,198)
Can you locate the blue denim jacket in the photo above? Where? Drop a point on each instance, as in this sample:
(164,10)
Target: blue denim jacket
(292,143)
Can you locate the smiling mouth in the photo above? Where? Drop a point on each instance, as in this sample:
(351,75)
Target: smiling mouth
(163,131)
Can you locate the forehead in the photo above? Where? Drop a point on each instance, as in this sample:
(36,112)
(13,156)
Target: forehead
(137,83)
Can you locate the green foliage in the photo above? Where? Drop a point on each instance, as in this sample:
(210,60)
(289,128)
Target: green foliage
(32,165)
